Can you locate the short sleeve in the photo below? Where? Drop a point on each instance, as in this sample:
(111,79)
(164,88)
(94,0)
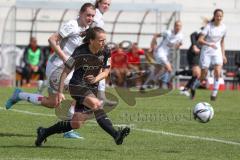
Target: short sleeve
(67,29)
(165,34)
(205,30)
(70,63)
(107,58)
(225,31)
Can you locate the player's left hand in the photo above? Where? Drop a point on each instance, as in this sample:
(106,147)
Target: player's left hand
(90,79)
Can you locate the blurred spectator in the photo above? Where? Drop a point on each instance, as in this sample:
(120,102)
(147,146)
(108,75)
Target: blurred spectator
(34,60)
(134,62)
(119,65)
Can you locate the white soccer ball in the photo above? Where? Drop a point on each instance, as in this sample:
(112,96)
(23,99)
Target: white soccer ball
(203,112)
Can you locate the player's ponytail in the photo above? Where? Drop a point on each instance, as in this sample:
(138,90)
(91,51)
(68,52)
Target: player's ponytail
(97,3)
(91,34)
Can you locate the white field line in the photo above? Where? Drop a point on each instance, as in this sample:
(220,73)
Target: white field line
(32,159)
(30,113)
(144,130)
(53,115)
(187,136)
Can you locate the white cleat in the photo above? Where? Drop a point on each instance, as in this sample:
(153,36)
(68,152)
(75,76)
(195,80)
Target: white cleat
(185,93)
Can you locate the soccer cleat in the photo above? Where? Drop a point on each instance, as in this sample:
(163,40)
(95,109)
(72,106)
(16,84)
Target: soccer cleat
(14,99)
(185,93)
(122,133)
(40,137)
(213,98)
(72,134)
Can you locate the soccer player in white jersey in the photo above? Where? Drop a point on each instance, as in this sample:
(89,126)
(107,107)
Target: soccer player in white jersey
(172,39)
(213,51)
(64,43)
(102,6)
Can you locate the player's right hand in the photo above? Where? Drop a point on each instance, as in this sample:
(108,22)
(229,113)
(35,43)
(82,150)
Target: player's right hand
(196,50)
(60,98)
(213,45)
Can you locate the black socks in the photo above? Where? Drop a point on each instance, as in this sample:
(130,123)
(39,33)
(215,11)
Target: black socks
(190,83)
(105,123)
(60,127)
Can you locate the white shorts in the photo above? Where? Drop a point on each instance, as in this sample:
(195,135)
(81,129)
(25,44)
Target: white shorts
(55,70)
(161,56)
(209,59)
(162,60)
(102,85)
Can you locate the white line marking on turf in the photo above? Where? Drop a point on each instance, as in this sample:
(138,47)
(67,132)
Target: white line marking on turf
(187,136)
(144,130)
(53,115)
(30,113)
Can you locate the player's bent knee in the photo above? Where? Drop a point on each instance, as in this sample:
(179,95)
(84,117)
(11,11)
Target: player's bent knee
(93,103)
(98,105)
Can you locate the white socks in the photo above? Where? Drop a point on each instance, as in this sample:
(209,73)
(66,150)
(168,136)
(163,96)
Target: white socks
(215,87)
(31,97)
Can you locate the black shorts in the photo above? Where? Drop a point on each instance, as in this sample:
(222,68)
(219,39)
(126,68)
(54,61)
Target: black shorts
(79,92)
(82,108)
(193,59)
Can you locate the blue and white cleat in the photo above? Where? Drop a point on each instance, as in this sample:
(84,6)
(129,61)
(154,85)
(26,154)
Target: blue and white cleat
(72,134)
(14,99)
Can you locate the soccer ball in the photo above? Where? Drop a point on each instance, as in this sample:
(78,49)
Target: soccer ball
(203,112)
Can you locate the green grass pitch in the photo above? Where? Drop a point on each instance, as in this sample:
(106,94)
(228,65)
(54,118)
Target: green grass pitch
(162,128)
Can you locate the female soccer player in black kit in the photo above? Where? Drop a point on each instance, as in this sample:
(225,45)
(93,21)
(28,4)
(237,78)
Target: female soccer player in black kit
(91,64)
(193,55)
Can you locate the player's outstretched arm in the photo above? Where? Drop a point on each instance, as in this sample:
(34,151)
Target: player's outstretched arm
(54,42)
(223,51)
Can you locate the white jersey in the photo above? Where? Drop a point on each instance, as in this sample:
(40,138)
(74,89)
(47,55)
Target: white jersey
(170,40)
(71,39)
(213,34)
(98,19)
(99,22)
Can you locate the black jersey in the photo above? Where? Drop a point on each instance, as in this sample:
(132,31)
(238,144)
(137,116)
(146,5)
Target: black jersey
(85,63)
(192,57)
(194,41)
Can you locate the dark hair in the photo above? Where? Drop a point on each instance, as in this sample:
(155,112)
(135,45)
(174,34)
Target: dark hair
(85,6)
(91,34)
(96,3)
(215,12)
